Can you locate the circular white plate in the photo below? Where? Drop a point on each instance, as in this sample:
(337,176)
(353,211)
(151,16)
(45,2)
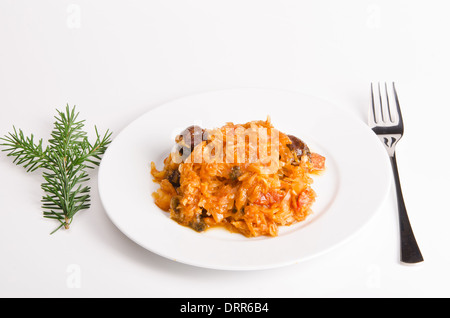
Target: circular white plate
(349,193)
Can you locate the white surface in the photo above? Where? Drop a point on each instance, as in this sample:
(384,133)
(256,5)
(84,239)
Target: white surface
(338,213)
(116,60)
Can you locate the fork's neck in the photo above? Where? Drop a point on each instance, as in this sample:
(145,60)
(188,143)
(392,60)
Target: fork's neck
(390,141)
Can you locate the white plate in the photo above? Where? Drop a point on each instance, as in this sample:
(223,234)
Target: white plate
(354,185)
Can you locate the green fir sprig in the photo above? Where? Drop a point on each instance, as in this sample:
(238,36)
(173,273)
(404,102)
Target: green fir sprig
(65,162)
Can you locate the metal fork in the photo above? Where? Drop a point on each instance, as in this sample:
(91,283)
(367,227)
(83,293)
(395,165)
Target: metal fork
(385,119)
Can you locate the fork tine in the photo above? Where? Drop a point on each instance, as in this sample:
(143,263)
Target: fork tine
(372,117)
(376,112)
(397,107)
(381,102)
(387,102)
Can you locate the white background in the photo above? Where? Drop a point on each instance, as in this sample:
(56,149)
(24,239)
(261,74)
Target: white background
(116,60)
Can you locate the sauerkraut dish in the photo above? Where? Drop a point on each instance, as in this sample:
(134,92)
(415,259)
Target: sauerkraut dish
(249,178)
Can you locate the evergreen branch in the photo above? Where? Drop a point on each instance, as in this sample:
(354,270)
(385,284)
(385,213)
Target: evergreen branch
(64,162)
(25,151)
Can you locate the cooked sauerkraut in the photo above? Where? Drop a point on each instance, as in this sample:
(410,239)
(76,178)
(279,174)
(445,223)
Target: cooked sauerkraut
(249,178)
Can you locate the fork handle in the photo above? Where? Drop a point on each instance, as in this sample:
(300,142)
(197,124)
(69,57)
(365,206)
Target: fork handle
(410,252)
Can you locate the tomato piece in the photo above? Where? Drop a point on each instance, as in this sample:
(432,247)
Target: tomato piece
(305,199)
(317,162)
(269,198)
